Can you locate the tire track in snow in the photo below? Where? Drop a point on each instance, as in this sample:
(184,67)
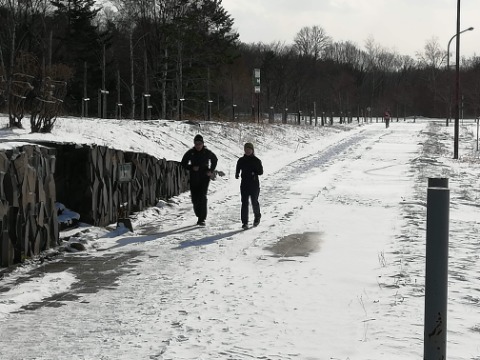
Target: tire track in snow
(276,187)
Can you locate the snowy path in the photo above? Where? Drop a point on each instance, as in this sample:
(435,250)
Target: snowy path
(218,292)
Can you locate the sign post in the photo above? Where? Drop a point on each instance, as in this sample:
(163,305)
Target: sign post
(124,176)
(256,85)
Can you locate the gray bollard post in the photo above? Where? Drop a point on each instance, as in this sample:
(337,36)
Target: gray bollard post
(438,182)
(436,275)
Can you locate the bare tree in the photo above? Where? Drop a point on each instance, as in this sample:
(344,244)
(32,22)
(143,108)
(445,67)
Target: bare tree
(346,53)
(434,56)
(22,31)
(312,41)
(432,60)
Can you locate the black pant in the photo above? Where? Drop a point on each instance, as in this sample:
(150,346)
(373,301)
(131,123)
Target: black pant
(198,191)
(249,191)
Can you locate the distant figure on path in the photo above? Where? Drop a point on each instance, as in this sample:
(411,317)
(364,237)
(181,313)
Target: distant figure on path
(201,162)
(386,117)
(251,168)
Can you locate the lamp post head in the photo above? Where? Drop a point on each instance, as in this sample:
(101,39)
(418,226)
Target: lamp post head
(453,37)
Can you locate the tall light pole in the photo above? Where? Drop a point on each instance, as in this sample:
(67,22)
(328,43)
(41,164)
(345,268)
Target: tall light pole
(448,71)
(457,86)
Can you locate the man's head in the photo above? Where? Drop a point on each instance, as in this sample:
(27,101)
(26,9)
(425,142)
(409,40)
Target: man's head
(248,148)
(198,141)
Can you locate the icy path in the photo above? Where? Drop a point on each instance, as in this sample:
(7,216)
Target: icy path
(182,292)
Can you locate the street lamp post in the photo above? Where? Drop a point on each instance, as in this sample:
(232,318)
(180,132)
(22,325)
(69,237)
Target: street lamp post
(119,110)
(448,71)
(102,103)
(146,106)
(209,110)
(233,111)
(180,113)
(85,101)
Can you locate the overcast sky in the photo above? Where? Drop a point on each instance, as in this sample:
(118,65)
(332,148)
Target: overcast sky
(401,25)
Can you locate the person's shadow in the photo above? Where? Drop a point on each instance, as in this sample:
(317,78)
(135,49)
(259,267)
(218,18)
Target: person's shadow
(150,236)
(207,240)
(184,244)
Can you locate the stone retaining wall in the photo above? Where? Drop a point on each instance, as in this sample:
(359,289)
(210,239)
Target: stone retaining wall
(88,181)
(27,202)
(85,179)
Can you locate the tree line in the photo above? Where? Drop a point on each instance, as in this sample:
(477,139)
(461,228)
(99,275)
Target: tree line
(174,59)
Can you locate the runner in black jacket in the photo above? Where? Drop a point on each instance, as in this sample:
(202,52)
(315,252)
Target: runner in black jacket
(251,167)
(201,162)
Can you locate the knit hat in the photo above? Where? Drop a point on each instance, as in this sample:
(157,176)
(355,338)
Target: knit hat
(198,137)
(249,146)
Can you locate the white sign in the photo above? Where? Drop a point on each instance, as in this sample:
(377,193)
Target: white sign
(256,80)
(125,172)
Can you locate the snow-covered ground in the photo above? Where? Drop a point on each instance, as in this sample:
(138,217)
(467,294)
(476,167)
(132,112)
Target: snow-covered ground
(334,271)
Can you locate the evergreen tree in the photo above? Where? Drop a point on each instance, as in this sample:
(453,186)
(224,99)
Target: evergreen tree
(208,42)
(78,41)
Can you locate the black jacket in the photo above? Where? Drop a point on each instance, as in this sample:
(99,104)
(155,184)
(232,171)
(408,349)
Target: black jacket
(251,167)
(205,159)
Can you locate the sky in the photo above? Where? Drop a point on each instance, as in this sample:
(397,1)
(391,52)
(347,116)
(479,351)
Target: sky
(335,270)
(404,26)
